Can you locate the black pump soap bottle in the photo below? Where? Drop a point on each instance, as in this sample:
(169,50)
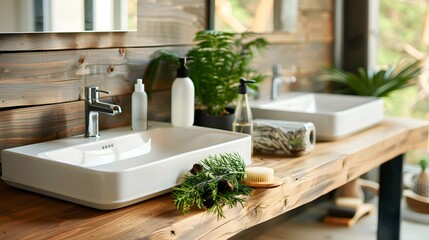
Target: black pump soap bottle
(243,116)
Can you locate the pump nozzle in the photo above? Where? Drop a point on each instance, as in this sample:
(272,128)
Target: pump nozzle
(242,88)
(182,71)
(139,86)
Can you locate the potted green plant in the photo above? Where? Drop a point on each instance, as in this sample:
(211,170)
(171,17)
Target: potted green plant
(374,83)
(218,61)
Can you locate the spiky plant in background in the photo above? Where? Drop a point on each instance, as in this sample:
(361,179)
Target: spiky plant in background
(374,83)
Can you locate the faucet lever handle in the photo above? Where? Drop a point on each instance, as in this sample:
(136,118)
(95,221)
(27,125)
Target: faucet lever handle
(103,91)
(91,93)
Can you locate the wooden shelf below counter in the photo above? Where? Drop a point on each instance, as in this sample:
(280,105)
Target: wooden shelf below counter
(31,216)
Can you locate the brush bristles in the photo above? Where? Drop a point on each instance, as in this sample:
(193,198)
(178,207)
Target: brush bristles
(259,174)
(349,202)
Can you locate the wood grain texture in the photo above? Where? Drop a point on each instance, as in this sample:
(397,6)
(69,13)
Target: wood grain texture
(309,58)
(26,215)
(319,26)
(37,78)
(316,5)
(42,93)
(22,126)
(160,23)
(312,27)
(41,90)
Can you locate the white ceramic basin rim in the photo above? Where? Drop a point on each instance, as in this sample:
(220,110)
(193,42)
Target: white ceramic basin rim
(120,168)
(335,116)
(103,152)
(319,103)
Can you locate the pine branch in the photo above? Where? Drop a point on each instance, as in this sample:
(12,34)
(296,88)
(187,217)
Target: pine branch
(213,183)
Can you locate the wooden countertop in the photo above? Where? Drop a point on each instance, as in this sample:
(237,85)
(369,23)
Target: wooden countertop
(31,216)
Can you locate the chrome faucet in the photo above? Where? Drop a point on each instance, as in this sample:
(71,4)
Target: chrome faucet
(281,76)
(93,107)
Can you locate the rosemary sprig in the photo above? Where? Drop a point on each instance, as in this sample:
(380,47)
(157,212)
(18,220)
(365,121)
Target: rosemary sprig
(212,184)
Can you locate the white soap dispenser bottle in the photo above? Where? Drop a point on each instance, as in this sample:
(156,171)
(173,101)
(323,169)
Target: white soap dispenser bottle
(182,98)
(139,107)
(243,115)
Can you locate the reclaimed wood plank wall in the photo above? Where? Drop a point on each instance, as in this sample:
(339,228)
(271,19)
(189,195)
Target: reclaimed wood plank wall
(42,76)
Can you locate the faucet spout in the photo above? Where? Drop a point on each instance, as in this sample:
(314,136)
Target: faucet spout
(93,107)
(281,76)
(275,89)
(106,108)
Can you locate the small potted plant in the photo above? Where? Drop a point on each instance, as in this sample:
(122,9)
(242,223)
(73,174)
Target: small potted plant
(421,186)
(417,198)
(218,61)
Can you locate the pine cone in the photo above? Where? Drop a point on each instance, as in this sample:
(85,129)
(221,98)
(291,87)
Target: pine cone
(196,168)
(208,203)
(224,186)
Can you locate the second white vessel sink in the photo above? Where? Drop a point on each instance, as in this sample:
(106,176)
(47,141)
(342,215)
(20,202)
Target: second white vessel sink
(119,168)
(335,116)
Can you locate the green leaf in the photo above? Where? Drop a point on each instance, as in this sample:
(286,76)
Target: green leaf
(156,59)
(368,83)
(423,164)
(202,188)
(221,59)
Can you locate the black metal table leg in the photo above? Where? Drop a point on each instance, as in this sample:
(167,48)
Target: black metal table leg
(389,205)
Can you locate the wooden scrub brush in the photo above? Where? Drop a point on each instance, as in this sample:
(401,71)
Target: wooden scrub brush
(261,177)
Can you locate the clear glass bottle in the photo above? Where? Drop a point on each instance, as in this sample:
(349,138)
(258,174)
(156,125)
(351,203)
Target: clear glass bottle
(243,115)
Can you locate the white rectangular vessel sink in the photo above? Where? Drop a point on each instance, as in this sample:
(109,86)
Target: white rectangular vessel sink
(121,167)
(335,116)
